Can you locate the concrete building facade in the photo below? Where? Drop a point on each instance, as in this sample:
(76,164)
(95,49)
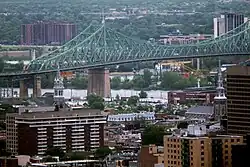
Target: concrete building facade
(31,133)
(226,22)
(238,99)
(199,151)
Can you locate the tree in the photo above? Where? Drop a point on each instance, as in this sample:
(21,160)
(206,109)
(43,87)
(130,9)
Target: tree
(117,97)
(182,125)
(79,82)
(147,77)
(95,102)
(76,156)
(143,94)
(103,152)
(138,82)
(115,83)
(55,151)
(97,105)
(1,65)
(173,80)
(133,100)
(153,134)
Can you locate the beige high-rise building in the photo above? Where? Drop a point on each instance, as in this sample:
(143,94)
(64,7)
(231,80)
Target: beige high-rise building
(199,151)
(227,22)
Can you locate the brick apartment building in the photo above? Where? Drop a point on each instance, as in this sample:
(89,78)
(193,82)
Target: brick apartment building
(31,133)
(43,33)
(150,156)
(199,151)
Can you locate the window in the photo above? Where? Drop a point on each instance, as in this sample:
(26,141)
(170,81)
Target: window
(232,140)
(238,140)
(202,158)
(202,164)
(202,142)
(226,157)
(202,153)
(226,146)
(226,152)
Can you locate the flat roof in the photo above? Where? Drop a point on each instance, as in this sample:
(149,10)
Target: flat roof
(203,136)
(62,113)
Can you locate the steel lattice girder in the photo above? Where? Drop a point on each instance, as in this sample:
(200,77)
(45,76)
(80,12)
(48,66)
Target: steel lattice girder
(97,46)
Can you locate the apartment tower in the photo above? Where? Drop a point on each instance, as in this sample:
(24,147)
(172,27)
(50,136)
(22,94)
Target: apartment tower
(238,99)
(32,133)
(226,22)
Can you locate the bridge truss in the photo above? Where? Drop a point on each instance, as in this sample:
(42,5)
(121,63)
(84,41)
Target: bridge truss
(99,46)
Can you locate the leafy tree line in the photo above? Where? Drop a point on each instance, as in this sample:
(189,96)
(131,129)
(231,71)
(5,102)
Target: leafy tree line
(25,12)
(168,81)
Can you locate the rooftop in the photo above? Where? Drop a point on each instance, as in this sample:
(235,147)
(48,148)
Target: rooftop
(204,137)
(62,113)
(201,110)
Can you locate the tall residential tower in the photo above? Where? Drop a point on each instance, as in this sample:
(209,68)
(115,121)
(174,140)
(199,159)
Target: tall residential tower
(226,22)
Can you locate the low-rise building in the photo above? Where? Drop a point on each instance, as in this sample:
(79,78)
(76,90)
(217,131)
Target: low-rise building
(150,156)
(200,96)
(149,116)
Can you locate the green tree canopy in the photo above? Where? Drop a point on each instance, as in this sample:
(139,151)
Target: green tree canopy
(95,102)
(143,94)
(116,83)
(102,152)
(153,134)
(173,80)
(55,151)
(133,100)
(147,77)
(80,83)
(1,65)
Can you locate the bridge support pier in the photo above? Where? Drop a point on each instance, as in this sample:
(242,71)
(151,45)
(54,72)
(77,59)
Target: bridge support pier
(33,54)
(99,82)
(23,89)
(37,86)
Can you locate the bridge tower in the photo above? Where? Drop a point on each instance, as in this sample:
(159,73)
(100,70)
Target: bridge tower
(220,99)
(58,90)
(98,79)
(99,82)
(23,91)
(37,86)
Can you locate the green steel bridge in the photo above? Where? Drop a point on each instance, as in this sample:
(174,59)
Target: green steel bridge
(100,46)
